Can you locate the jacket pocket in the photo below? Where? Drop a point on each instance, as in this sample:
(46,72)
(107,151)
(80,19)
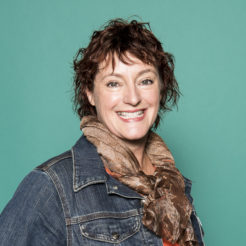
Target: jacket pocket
(111,230)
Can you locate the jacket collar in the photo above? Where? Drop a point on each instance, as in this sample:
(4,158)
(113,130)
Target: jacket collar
(88,169)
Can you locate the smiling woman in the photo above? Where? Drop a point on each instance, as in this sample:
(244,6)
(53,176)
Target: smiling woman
(118,184)
(127,97)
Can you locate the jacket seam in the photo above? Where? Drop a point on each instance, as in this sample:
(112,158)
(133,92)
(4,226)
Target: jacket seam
(53,176)
(50,163)
(105,215)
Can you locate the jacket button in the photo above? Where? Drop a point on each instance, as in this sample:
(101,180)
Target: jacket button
(115,235)
(115,187)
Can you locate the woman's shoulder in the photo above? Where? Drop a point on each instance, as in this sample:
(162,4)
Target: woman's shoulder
(56,161)
(34,208)
(38,187)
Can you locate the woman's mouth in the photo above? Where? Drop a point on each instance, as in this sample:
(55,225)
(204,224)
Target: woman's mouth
(127,115)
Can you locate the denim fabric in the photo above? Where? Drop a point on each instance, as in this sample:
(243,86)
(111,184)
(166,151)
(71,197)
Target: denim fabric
(71,200)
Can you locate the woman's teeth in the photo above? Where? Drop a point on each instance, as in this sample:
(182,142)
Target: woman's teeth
(130,115)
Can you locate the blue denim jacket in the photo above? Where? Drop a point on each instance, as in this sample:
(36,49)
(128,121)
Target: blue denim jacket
(71,200)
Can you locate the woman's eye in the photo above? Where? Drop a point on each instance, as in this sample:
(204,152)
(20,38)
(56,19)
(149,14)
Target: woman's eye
(147,82)
(112,84)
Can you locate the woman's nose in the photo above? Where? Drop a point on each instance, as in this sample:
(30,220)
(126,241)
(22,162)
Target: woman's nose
(132,95)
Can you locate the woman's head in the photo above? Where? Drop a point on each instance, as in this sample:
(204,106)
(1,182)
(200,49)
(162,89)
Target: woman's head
(117,40)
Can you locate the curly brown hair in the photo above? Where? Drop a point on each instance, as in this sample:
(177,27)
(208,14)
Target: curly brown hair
(118,37)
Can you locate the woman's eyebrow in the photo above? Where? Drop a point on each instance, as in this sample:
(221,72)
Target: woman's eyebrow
(148,70)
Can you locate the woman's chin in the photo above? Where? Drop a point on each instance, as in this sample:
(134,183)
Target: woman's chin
(134,137)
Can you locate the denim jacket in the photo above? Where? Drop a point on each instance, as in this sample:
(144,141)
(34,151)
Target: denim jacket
(71,200)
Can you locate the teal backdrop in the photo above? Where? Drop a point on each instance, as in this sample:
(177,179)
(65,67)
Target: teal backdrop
(206,134)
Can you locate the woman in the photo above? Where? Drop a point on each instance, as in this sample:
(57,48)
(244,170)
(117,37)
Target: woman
(118,185)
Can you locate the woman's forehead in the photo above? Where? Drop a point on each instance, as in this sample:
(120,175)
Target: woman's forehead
(112,62)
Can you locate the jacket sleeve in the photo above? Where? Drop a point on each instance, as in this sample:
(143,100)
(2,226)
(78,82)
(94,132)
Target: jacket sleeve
(34,216)
(196,223)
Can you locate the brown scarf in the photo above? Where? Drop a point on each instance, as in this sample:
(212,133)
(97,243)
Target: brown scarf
(166,209)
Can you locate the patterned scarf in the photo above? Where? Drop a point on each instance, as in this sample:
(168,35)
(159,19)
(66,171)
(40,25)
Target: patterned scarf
(166,209)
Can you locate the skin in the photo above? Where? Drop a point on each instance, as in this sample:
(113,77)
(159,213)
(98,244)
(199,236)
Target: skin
(127,101)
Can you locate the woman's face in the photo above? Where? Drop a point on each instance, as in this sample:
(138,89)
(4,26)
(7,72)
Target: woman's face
(126,98)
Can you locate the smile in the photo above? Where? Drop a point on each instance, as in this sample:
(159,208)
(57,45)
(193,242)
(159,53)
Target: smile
(131,115)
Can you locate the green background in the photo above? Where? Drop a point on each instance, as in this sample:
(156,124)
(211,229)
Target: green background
(206,135)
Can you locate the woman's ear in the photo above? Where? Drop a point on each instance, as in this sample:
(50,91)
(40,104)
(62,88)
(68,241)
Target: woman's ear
(90,97)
